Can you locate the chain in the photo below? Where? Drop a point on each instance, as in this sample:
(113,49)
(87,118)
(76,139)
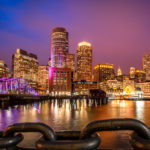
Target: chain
(87,139)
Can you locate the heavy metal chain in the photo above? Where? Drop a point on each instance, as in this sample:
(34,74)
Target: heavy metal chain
(87,139)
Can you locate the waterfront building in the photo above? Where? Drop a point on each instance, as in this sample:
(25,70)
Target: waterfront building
(4,70)
(132,72)
(140,75)
(83,87)
(146,65)
(84,61)
(119,72)
(145,88)
(70,61)
(59,47)
(128,86)
(43,79)
(104,72)
(59,81)
(113,88)
(25,65)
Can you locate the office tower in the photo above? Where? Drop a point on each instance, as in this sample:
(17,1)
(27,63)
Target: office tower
(70,62)
(25,65)
(146,65)
(59,47)
(43,76)
(84,61)
(140,75)
(132,72)
(4,70)
(119,72)
(60,81)
(104,72)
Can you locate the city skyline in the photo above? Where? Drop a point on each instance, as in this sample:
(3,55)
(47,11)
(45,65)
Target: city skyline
(121,39)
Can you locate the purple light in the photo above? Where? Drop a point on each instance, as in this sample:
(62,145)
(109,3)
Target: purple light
(14,85)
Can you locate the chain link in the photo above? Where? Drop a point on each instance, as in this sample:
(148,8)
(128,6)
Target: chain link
(9,142)
(87,139)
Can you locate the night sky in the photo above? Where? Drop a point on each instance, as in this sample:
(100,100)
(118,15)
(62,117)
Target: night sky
(119,30)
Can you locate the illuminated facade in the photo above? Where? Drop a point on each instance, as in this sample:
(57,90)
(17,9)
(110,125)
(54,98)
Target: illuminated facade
(43,79)
(83,87)
(4,70)
(70,62)
(145,87)
(140,75)
(112,87)
(59,47)
(60,81)
(146,65)
(132,72)
(128,86)
(84,61)
(25,65)
(119,72)
(104,72)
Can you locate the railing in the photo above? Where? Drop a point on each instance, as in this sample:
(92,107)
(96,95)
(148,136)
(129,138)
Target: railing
(87,139)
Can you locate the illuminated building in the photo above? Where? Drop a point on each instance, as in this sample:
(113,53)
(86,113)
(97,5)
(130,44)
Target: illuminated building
(84,61)
(60,81)
(43,79)
(4,70)
(70,62)
(145,88)
(59,47)
(128,86)
(104,72)
(132,72)
(140,75)
(25,65)
(112,87)
(119,72)
(83,87)
(146,65)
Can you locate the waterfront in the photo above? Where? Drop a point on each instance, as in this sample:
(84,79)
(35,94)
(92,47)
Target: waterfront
(75,114)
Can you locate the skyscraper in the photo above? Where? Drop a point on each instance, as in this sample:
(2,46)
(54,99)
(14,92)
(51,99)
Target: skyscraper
(146,65)
(104,72)
(25,65)
(119,72)
(84,61)
(59,47)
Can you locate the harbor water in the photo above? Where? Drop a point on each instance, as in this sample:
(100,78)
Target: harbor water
(76,114)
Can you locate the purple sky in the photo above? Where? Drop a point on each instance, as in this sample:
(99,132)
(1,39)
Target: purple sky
(119,30)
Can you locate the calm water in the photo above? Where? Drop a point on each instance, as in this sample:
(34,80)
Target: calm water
(75,114)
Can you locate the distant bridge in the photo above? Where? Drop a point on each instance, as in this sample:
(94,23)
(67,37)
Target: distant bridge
(15,86)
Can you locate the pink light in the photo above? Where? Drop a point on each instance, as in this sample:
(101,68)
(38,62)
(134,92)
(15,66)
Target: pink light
(50,73)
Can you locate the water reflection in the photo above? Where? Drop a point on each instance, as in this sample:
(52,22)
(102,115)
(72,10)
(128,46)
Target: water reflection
(74,114)
(53,112)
